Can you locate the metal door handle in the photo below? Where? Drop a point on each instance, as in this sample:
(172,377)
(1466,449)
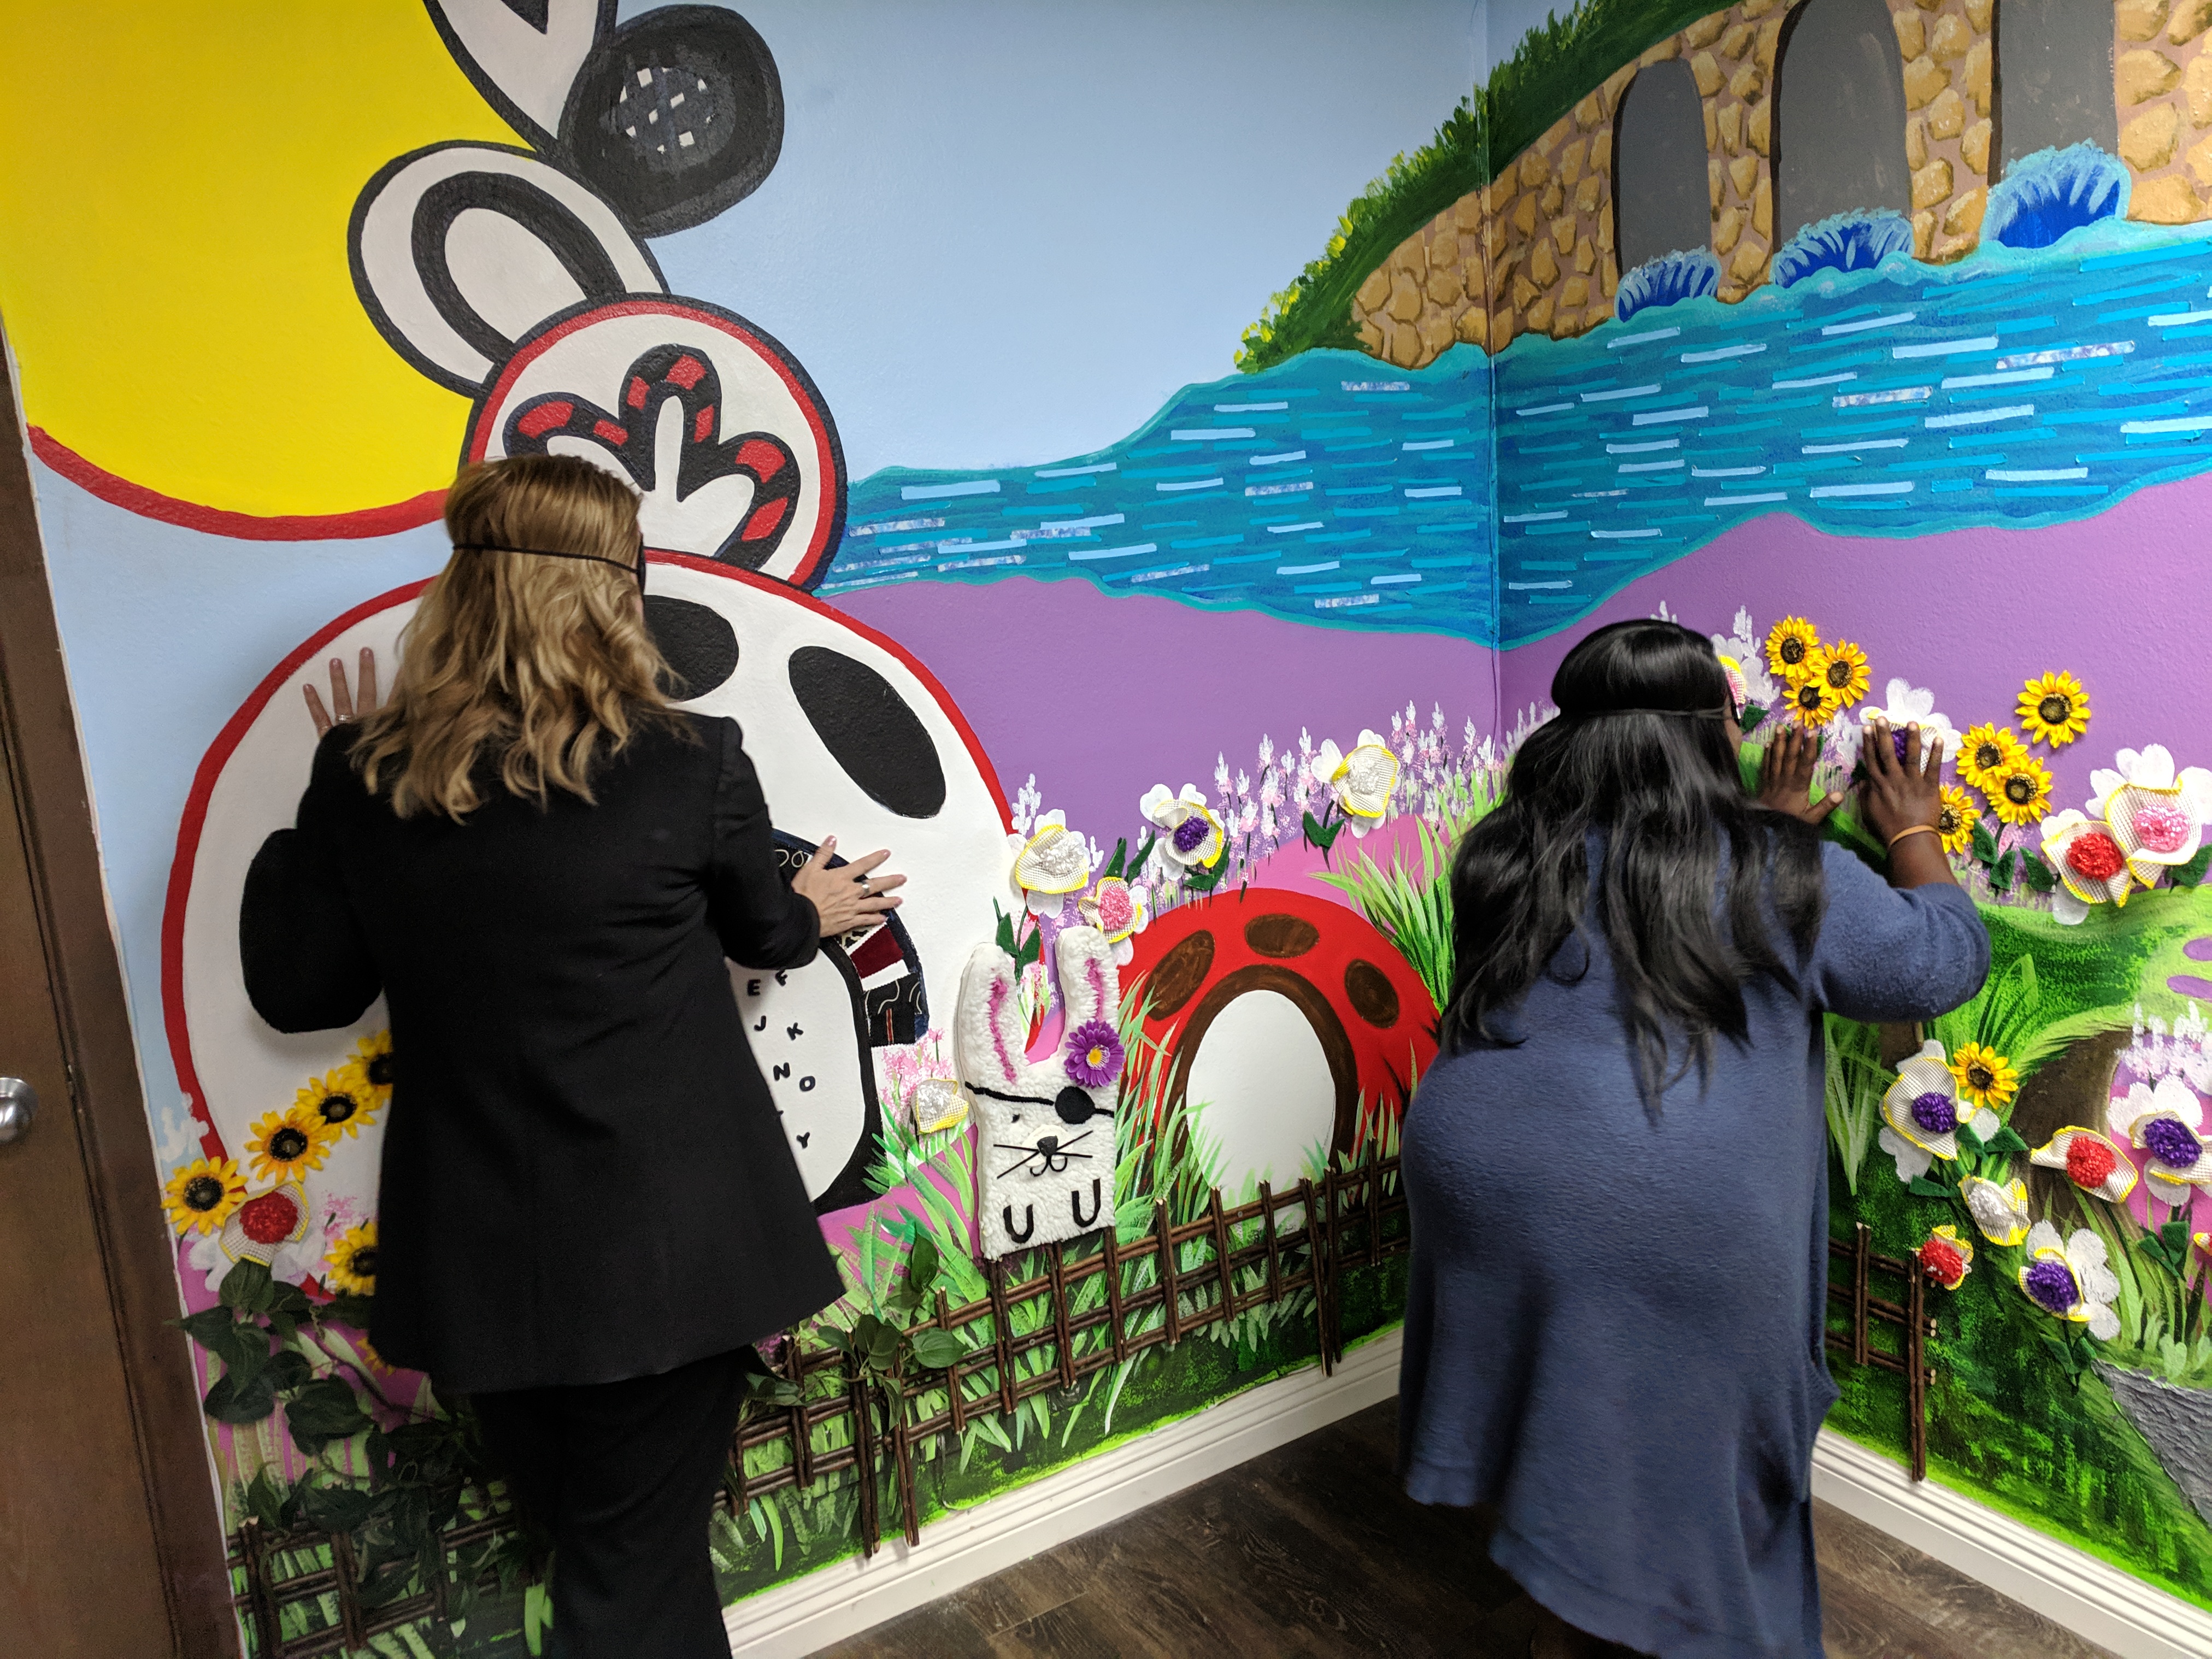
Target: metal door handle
(19,1104)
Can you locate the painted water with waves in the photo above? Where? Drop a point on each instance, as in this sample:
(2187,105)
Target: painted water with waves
(1501,500)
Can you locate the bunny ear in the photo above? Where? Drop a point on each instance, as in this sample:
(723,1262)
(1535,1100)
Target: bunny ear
(524,55)
(989,1038)
(1089,984)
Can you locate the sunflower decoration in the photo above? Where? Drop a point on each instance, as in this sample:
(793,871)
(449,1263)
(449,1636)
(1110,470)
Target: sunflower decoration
(199,1198)
(1843,667)
(374,1055)
(1986,1076)
(2054,709)
(1989,751)
(351,1265)
(1813,702)
(1955,819)
(342,1102)
(2021,793)
(1789,645)
(284,1145)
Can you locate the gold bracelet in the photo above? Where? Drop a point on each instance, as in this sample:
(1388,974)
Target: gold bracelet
(1916,830)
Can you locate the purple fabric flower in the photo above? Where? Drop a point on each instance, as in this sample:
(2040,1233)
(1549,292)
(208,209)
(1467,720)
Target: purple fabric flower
(1094,1053)
(2171,1144)
(2051,1282)
(1191,834)
(1935,1113)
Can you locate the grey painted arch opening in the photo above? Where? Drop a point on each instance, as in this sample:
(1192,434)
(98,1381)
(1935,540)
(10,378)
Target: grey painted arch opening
(1839,116)
(2055,60)
(1661,202)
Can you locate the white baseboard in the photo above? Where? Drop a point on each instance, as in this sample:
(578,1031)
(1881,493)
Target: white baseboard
(2093,1599)
(850,1597)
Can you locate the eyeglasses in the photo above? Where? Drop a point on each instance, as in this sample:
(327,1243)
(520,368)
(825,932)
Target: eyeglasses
(637,570)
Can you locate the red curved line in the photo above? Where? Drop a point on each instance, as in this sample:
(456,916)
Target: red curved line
(188,840)
(221,521)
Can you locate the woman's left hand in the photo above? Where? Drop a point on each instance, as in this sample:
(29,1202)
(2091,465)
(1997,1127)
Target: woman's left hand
(850,897)
(1785,776)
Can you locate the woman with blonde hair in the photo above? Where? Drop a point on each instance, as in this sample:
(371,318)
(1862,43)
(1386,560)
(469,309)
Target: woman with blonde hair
(587,1209)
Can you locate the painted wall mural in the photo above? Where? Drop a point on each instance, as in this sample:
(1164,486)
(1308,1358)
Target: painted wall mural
(1173,714)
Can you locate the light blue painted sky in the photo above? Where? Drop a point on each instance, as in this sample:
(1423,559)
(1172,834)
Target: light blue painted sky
(1003,232)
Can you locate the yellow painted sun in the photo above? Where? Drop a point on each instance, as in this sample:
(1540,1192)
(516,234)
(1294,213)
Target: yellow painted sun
(373,1054)
(351,1264)
(1955,819)
(1812,703)
(2054,709)
(199,1198)
(1986,1076)
(284,1145)
(1790,642)
(2021,793)
(1988,750)
(342,1102)
(1843,666)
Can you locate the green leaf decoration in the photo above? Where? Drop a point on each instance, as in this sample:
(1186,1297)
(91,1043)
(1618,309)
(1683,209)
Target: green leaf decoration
(288,1368)
(2001,873)
(249,1288)
(1144,853)
(346,1309)
(1985,844)
(2038,874)
(2062,1353)
(2191,874)
(2005,1140)
(1922,1187)
(265,1499)
(322,1410)
(1005,928)
(1320,838)
(2175,1235)
(1030,949)
(922,1265)
(937,1349)
(1754,712)
(1120,853)
(232,1401)
(336,1509)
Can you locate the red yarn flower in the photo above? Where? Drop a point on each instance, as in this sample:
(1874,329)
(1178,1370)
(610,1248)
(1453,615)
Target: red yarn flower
(1942,1262)
(2089,1163)
(268,1219)
(2095,856)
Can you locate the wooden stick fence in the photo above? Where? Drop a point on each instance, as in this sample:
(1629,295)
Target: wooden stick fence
(1912,1318)
(1179,1278)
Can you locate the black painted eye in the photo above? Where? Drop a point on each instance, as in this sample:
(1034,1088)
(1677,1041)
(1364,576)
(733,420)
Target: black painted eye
(699,645)
(869,731)
(1074,1106)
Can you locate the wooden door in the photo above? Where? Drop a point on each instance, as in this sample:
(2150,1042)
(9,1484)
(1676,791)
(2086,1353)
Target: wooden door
(111,1546)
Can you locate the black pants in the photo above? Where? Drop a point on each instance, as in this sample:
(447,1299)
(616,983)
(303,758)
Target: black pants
(623,1475)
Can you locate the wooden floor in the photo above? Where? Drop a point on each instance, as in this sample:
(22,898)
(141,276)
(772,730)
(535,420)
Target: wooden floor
(1312,1550)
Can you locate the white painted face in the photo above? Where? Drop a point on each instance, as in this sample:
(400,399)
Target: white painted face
(850,738)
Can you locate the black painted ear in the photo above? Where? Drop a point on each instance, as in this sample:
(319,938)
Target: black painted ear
(698,644)
(869,731)
(524,55)
(461,250)
(675,116)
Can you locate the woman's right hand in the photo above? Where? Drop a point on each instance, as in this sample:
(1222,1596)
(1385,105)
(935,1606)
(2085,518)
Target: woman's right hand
(850,897)
(1900,792)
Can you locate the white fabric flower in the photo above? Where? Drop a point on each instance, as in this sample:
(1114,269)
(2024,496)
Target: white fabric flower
(2093,1162)
(2076,848)
(2071,1278)
(2150,769)
(2157,815)
(2000,1211)
(1362,779)
(2165,1121)
(1924,1112)
(1050,863)
(1175,816)
(1905,705)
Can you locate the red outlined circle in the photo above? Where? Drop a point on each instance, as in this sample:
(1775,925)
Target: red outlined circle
(829,455)
(194,818)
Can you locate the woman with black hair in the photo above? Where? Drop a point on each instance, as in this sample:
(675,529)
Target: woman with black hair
(1618,1168)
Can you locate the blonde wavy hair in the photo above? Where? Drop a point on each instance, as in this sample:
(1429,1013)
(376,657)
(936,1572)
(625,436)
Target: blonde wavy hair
(544,663)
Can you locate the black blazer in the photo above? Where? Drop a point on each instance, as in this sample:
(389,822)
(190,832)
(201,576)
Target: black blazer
(584,1178)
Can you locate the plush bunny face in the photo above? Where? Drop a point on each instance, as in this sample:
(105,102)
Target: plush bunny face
(1045,1129)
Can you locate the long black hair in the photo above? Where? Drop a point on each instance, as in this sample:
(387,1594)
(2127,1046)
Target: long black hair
(1639,755)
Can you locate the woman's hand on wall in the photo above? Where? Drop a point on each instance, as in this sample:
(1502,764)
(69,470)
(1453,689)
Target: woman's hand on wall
(852,897)
(341,699)
(1785,776)
(1903,797)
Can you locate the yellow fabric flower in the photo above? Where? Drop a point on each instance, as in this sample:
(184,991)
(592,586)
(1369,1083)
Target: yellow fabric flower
(2054,709)
(1843,666)
(351,1264)
(342,1102)
(1986,1076)
(1955,820)
(1790,642)
(374,1055)
(199,1198)
(1812,703)
(2021,793)
(1988,751)
(286,1144)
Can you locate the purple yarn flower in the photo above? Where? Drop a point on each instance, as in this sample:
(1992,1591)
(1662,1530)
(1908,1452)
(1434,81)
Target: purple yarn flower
(1191,834)
(2051,1282)
(1935,1113)
(1094,1053)
(2171,1144)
